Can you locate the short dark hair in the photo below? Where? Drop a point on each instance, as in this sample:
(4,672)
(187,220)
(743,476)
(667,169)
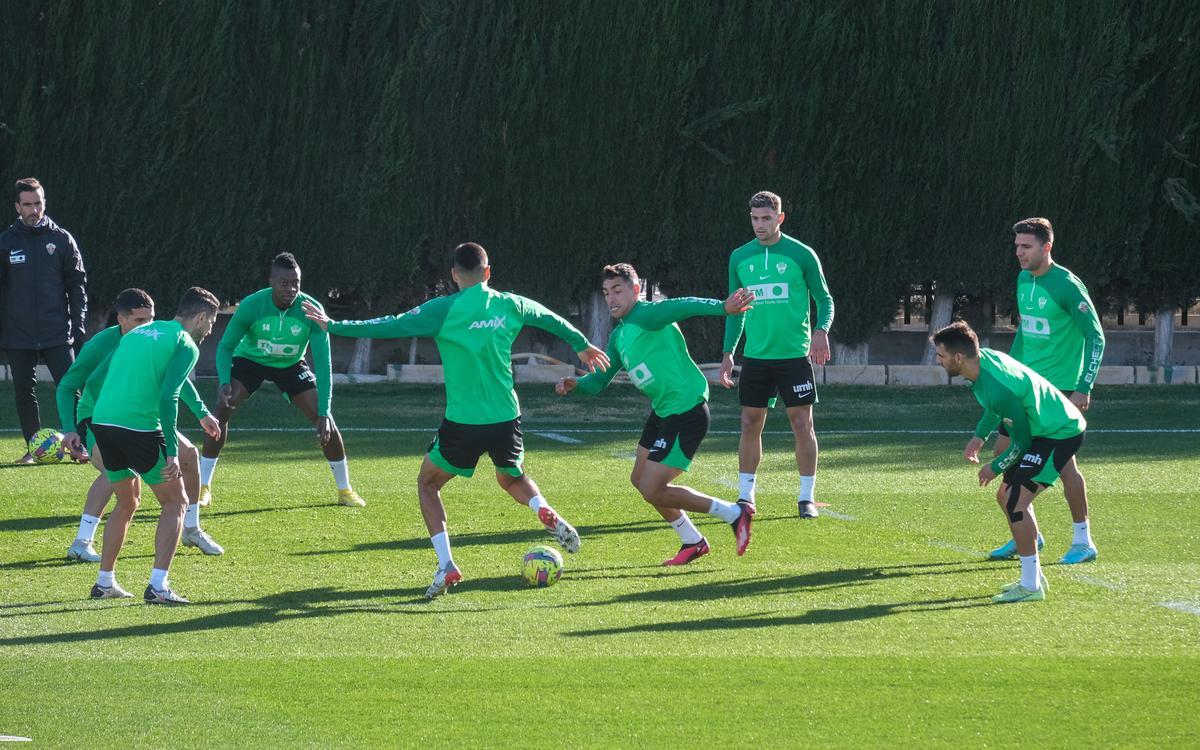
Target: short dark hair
(470,256)
(132,299)
(764,199)
(621,271)
(25,185)
(285,261)
(197,300)
(1037,226)
(957,338)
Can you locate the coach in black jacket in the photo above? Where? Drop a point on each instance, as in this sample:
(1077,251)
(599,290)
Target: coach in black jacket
(43,299)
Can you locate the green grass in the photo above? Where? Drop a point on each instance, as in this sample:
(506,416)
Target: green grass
(875,631)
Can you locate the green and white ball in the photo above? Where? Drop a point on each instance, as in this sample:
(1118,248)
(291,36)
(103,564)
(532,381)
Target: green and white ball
(542,566)
(46,446)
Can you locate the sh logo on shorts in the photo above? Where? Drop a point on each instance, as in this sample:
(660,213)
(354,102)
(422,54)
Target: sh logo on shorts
(805,387)
(660,444)
(641,375)
(1032,459)
(769,292)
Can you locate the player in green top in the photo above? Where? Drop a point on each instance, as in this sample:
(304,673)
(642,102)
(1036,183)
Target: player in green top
(1060,338)
(134,424)
(1046,431)
(783,274)
(648,344)
(474,330)
(134,308)
(266,340)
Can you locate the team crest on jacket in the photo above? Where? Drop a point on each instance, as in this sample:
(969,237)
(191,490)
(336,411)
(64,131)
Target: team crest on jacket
(51,247)
(780,267)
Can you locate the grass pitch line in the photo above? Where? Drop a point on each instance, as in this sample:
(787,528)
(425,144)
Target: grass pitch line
(1191,609)
(559,437)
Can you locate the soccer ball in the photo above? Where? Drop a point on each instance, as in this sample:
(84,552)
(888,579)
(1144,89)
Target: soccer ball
(46,446)
(542,566)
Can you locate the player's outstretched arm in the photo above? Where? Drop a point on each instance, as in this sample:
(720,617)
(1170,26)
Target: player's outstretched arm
(739,302)
(316,315)
(597,380)
(566,385)
(423,320)
(594,358)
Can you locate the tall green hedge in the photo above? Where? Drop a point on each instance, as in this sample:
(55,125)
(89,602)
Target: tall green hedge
(186,143)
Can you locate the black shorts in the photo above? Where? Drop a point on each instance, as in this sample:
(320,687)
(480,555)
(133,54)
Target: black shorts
(674,440)
(458,446)
(1042,462)
(128,452)
(1004,430)
(791,379)
(292,380)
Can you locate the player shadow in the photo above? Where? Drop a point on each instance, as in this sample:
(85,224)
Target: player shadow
(265,509)
(484,538)
(267,610)
(820,580)
(772,620)
(36,523)
(59,561)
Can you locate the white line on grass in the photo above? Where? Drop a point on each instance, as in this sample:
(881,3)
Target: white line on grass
(559,437)
(838,516)
(1191,609)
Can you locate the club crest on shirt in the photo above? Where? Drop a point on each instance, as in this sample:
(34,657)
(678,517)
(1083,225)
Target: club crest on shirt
(296,329)
(51,247)
(780,267)
(1042,303)
(1083,307)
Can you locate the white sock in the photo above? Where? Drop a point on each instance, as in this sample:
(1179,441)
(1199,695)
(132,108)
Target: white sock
(106,579)
(207,467)
(806,489)
(537,502)
(191,519)
(87,528)
(341,474)
(727,512)
(441,545)
(1083,534)
(745,486)
(687,531)
(1029,572)
(158,579)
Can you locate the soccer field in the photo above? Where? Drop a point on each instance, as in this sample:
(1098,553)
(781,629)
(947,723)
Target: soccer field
(870,626)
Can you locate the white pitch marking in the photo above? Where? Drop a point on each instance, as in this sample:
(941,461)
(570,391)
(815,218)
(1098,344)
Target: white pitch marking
(1191,609)
(558,436)
(838,516)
